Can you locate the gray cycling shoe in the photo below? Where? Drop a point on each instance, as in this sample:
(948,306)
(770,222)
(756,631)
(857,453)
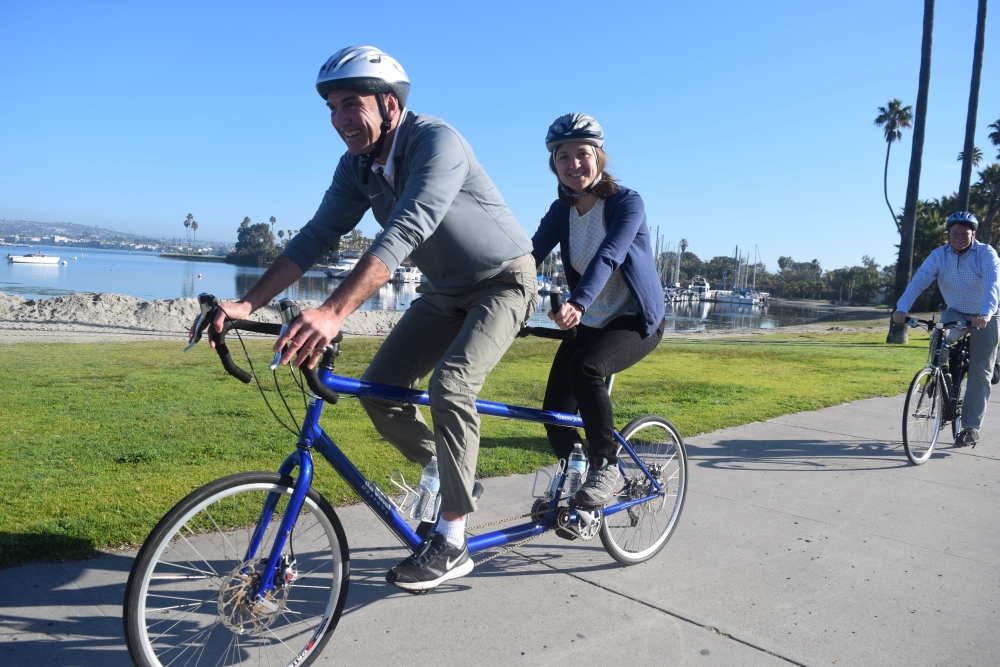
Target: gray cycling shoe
(967,437)
(601,486)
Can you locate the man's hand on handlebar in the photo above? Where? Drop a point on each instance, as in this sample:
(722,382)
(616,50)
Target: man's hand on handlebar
(307,336)
(233,310)
(567,317)
(900,317)
(980,322)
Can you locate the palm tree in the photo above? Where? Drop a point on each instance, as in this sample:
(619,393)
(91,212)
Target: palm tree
(892,118)
(899,333)
(995,135)
(194,231)
(281,235)
(187,229)
(977,156)
(970,119)
(273,220)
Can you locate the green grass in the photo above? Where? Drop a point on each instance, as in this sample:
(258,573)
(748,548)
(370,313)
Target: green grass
(99,440)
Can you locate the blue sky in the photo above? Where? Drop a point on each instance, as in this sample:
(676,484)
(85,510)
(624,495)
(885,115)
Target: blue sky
(739,123)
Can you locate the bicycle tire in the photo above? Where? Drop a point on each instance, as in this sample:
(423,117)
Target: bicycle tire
(922,414)
(638,533)
(194,557)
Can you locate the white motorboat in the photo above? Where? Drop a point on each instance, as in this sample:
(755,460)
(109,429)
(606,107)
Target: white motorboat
(407,274)
(342,267)
(32,258)
(700,289)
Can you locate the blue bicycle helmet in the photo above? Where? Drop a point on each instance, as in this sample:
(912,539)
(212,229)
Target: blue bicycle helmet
(964,218)
(574,127)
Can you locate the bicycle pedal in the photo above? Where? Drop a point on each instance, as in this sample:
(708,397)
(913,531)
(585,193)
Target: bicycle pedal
(566,535)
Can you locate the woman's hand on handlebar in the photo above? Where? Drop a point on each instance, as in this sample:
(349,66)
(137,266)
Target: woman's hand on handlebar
(567,317)
(307,336)
(900,317)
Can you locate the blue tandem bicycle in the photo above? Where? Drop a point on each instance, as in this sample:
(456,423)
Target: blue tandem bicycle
(253,568)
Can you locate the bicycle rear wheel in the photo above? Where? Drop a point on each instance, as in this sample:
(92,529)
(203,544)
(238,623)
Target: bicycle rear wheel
(638,533)
(922,413)
(187,601)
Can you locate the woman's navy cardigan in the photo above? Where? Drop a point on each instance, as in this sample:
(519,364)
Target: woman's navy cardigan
(626,245)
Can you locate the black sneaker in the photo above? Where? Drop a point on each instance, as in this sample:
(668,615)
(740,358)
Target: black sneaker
(967,437)
(425,528)
(435,562)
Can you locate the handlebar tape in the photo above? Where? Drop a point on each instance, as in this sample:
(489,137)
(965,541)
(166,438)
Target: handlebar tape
(312,377)
(318,388)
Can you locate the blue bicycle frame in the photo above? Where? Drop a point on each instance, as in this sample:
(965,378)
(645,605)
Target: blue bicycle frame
(313,438)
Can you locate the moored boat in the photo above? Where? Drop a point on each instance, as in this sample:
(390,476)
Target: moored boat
(32,258)
(342,267)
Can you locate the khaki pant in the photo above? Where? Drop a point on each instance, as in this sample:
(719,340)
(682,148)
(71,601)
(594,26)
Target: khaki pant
(460,338)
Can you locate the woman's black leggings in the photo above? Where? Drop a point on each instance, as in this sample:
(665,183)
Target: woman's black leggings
(576,381)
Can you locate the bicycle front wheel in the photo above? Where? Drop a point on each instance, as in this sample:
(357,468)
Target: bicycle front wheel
(188,600)
(922,413)
(638,533)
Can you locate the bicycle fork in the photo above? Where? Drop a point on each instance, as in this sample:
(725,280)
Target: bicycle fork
(302,459)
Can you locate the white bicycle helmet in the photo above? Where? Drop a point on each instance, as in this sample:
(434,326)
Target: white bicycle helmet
(364,69)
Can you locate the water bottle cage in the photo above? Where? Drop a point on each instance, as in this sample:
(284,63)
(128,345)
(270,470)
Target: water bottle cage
(410,497)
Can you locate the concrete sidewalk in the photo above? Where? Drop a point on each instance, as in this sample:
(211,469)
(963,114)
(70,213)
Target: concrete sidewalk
(807,539)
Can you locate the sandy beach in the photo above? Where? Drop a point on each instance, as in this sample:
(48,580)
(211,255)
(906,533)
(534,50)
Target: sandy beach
(94,317)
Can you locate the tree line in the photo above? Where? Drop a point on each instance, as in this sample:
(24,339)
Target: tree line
(257,244)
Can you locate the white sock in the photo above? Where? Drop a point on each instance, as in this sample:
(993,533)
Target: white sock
(453,531)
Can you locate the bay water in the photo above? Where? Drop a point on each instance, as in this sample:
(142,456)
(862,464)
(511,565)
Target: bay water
(149,276)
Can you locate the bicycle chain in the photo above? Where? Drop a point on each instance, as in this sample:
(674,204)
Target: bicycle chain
(516,544)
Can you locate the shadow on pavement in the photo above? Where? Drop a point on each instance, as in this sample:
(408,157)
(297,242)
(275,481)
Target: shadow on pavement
(800,454)
(59,619)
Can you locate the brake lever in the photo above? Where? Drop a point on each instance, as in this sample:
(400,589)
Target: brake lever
(206,302)
(289,311)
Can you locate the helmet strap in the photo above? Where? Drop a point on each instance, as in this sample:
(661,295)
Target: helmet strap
(368,158)
(579,195)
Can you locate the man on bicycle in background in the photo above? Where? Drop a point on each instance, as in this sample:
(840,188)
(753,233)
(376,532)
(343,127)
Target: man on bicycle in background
(437,205)
(967,275)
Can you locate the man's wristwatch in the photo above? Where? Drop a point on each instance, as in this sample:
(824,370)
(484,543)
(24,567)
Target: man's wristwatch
(577,306)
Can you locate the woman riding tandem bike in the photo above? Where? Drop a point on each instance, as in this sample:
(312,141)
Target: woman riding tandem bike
(616,301)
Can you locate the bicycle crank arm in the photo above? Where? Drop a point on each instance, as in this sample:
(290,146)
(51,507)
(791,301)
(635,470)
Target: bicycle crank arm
(581,523)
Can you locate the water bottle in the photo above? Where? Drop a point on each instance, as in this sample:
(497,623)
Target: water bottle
(425,508)
(576,468)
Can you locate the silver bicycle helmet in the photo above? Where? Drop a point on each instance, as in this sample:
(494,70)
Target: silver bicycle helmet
(964,218)
(365,69)
(574,127)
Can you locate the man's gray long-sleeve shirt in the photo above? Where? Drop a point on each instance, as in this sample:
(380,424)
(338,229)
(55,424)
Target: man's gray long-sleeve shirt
(442,210)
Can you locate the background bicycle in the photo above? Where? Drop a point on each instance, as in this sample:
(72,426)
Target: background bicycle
(936,392)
